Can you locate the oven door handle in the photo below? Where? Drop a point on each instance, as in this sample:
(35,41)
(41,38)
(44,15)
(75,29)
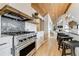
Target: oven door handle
(3,44)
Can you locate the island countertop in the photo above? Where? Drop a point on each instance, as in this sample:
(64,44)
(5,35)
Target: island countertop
(72,34)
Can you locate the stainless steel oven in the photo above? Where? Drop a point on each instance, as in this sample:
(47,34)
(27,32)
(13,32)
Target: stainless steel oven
(26,50)
(23,43)
(26,45)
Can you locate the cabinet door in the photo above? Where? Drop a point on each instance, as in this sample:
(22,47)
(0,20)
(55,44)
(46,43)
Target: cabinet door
(40,39)
(5,42)
(5,46)
(5,52)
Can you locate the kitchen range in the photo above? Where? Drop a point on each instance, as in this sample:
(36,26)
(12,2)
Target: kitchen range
(22,42)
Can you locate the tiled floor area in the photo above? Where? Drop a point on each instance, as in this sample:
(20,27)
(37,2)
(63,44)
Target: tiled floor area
(49,48)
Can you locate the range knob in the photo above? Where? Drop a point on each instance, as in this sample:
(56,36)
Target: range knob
(24,39)
(20,40)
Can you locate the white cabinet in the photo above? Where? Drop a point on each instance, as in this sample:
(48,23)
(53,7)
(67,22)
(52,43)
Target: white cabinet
(5,46)
(40,39)
(5,52)
(77,51)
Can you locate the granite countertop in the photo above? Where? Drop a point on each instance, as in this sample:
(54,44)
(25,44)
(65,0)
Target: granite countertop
(3,35)
(74,33)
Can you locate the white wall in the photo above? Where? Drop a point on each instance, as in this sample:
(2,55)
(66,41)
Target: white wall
(45,23)
(50,23)
(73,11)
(30,26)
(24,7)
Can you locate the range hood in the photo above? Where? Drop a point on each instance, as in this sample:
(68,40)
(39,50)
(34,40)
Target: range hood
(10,10)
(35,19)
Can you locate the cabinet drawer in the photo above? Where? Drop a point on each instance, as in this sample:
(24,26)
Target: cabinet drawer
(5,42)
(5,39)
(4,45)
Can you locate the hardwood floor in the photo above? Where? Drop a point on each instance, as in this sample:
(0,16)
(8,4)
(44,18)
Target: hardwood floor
(49,48)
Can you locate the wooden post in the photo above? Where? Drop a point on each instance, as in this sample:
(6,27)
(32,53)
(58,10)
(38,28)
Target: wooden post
(0,25)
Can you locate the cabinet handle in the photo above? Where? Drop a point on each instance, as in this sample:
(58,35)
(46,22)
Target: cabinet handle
(3,44)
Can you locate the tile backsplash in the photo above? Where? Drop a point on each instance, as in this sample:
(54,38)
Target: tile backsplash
(9,25)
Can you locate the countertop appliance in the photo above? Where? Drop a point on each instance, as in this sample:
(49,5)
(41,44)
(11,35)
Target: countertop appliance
(23,43)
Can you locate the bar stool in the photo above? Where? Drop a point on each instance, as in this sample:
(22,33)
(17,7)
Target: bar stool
(71,45)
(59,39)
(62,37)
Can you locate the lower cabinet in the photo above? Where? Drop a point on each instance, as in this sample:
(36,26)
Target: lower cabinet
(5,52)
(77,51)
(5,46)
(40,39)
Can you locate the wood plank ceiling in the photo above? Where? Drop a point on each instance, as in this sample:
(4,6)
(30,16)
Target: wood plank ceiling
(54,9)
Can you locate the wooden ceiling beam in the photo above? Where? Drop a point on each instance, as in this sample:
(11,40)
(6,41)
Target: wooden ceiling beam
(38,8)
(67,7)
(55,10)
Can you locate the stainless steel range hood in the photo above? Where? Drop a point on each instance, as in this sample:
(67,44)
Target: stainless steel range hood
(10,10)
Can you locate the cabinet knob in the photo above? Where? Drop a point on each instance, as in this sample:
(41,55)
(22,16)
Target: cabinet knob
(24,39)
